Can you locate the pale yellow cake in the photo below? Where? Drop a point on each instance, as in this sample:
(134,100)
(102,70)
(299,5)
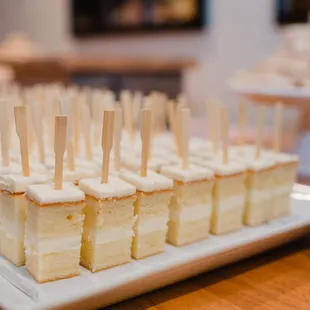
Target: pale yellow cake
(53,231)
(191,204)
(108,226)
(13,215)
(151,211)
(260,185)
(229,194)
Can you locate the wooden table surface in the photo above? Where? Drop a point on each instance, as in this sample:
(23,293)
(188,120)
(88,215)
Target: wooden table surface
(278,279)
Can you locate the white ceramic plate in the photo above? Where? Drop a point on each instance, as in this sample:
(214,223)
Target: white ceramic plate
(19,291)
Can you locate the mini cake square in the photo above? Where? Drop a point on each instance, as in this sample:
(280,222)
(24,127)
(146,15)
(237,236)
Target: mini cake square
(151,210)
(108,226)
(53,231)
(13,215)
(191,204)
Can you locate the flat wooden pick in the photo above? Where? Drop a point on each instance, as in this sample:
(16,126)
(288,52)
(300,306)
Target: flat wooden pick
(145,133)
(107,142)
(4,128)
(118,123)
(185,116)
(86,122)
(242,122)
(59,149)
(260,129)
(278,127)
(21,130)
(224,131)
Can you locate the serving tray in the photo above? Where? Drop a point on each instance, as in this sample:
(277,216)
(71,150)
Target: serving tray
(19,291)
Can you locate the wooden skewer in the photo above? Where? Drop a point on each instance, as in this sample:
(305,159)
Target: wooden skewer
(5,141)
(65,110)
(278,127)
(185,128)
(118,123)
(131,121)
(38,128)
(107,142)
(59,149)
(21,130)
(86,131)
(260,129)
(224,131)
(242,122)
(76,124)
(145,133)
(172,122)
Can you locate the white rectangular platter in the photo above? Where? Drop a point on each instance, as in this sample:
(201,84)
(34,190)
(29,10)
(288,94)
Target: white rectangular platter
(19,291)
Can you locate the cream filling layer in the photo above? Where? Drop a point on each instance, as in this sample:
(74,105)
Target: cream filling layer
(189,213)
(256,196)
(282,190)
(223,205)
(13,230)
(36,246)
(148,225)
(110,234)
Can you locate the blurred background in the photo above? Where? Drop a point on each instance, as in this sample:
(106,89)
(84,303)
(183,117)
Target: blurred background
(251,50)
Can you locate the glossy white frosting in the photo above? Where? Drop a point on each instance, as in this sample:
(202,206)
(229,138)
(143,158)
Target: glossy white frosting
(78,174)
(152,182)
(258,164)
(193,173)
(46,194)
(115,187)
(18,183)
(221,169)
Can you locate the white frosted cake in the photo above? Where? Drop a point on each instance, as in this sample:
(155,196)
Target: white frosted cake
(285,177)
(229,194)
(151,208)
(108,225)
(53,231)
(191,204)
(259,183)
(13,215)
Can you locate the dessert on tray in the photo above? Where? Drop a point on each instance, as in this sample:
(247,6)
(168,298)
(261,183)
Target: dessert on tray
(151,210)
(151,206)
(13,215)
(190,207)
(107,231)
(53,231)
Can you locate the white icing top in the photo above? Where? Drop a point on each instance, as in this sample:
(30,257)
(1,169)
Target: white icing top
(19,184)
(78,174)
(12,169)
(282,158)
(223,169)
(193,173)
(152,182)
(46,194)
(258,164)
(115,187)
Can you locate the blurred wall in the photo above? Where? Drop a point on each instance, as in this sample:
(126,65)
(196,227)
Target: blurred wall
(240,33)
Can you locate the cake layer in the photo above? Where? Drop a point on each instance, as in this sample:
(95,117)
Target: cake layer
(281,206)
(115,187)
(149,244)
(45,194)
(19,183)
(227,221)
(106,217)
(152,182)
(257,213)
(53,266)
(188,231)
(12,248)
(97,257)
(150,223)
(193,173)
(12,215)
(52,222)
